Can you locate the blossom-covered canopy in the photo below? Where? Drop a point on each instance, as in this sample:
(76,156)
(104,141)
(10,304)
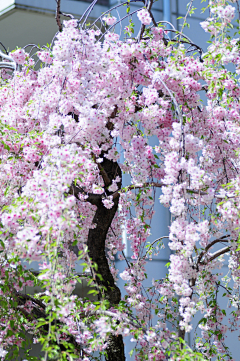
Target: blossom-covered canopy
(96,108)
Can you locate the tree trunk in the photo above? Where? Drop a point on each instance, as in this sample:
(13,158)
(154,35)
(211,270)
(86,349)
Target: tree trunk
(96,250)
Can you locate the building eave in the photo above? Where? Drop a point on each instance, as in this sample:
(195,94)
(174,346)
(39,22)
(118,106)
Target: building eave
(76,8)
(7,9)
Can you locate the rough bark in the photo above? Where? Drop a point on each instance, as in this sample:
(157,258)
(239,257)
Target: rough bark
(103,218)
(96,248)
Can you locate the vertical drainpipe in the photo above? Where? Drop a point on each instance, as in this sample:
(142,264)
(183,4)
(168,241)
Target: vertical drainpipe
(167,13)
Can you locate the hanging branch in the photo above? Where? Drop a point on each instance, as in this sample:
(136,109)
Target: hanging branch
(185,18)
(10,64)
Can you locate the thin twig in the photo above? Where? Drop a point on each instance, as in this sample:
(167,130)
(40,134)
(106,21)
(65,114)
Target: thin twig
(238,13)
(128,188)
(4,48)
(6,65)
(126,319)
(185,18)
(107,12)
(7,57)
(179,112)
(156,240)
(67,15)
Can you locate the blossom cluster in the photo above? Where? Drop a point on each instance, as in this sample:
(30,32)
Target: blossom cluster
(144,16)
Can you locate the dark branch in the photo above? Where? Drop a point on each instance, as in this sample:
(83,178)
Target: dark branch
(94,199)
(38,312)
(29,298)
(57,16)
(139,37)
(4,48)
(67,15)
(210,245)
(216,254)
(10,65)
(104,175)
(219,253)
(153,20)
